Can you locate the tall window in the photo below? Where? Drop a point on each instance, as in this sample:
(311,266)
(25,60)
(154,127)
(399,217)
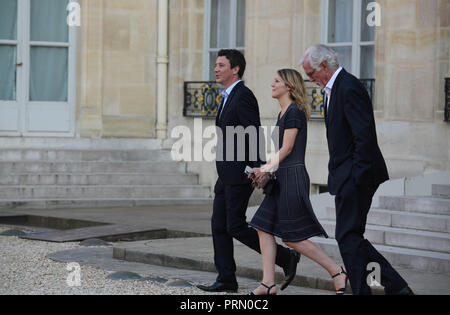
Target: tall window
(345,29)
(36,68)
(224,28)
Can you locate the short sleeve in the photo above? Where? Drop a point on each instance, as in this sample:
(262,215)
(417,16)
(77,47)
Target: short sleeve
(295,118)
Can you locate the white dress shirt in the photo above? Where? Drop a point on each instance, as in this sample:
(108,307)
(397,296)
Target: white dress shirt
(329,86)
(227,93)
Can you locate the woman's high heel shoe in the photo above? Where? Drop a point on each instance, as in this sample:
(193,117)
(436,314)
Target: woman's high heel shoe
(268,289)
(342,290)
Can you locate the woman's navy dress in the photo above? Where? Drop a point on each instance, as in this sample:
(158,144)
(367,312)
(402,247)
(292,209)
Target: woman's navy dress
(287,211)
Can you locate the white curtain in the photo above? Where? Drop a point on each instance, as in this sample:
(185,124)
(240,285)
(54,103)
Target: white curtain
(220,26)
(240,28)
(367,32)
(367,62)
(8,19)
(48,21)
(49,65)
(344,57)
(8,73)
(8,53)
(340,29)
(220,23)
(340,21)
(48,74)
(367,52)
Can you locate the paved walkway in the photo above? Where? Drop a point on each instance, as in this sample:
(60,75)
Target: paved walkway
(197,253)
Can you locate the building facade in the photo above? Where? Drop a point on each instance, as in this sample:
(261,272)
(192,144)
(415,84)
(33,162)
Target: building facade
(123,69)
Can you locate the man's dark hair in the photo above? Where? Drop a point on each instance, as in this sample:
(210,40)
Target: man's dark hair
(236,58)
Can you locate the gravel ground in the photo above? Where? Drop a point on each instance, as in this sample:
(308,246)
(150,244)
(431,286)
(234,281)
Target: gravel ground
(25,270)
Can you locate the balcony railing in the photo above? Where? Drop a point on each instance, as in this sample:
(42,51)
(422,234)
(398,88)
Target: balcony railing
(447,100)
(203,98)
(318,98)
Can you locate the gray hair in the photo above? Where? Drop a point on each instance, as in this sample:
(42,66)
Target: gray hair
(320,53)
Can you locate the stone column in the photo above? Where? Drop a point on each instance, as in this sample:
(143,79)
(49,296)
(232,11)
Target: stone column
(162,62)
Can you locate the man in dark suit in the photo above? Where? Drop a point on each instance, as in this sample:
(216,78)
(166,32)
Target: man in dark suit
(240,113)
(356,167)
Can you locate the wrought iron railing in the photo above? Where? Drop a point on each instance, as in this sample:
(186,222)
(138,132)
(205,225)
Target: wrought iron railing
(203,98)
(318,98)
(447,100)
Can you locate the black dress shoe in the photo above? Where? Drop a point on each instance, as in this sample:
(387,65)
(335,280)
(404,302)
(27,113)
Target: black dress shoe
(220,287)
(405,291)
(291,270)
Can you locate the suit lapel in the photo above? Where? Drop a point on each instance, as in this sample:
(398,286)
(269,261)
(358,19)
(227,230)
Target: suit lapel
(228,103)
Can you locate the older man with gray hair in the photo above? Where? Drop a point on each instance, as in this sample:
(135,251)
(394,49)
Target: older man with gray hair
(356,167)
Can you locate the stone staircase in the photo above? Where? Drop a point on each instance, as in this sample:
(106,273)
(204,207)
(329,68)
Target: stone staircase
(410,231)
(95,175)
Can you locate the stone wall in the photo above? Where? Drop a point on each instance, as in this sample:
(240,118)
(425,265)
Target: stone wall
(186,64)
(116,92)
(412,61)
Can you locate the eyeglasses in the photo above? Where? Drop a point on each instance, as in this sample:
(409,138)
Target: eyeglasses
(310,74)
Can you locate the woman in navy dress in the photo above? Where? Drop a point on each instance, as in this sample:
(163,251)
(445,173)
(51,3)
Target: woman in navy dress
(287,212)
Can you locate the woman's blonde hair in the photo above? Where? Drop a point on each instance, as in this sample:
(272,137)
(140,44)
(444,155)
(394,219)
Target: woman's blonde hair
(293,80)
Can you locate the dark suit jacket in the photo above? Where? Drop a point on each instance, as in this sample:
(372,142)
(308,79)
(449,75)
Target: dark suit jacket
(352,138)
(241,111)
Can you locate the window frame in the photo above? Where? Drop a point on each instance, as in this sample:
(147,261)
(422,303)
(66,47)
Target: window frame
(22,104)
(356,44)
(207,35)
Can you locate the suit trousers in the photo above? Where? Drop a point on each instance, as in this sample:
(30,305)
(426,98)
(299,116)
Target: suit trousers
(228,222)
(352,207)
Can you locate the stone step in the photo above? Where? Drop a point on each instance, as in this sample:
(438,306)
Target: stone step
(432,205)
(21,167)
(99,179)
(84,155)
(402,219)
(68,192)
(406,238)
(428,261)
(26,204)
(79,143)
(442,191)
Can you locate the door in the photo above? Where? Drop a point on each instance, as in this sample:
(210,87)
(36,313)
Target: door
(37,66)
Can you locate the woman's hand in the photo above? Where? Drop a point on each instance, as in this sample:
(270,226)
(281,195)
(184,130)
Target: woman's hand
(258,174)
(261,178)
(268,168)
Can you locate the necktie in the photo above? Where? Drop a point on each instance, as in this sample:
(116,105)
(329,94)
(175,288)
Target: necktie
(224,97)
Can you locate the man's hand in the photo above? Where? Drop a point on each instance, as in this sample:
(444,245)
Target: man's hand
(260,179)
(263,180)
(258,174)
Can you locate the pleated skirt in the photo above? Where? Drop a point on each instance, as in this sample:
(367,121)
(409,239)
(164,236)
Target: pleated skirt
(287,212)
